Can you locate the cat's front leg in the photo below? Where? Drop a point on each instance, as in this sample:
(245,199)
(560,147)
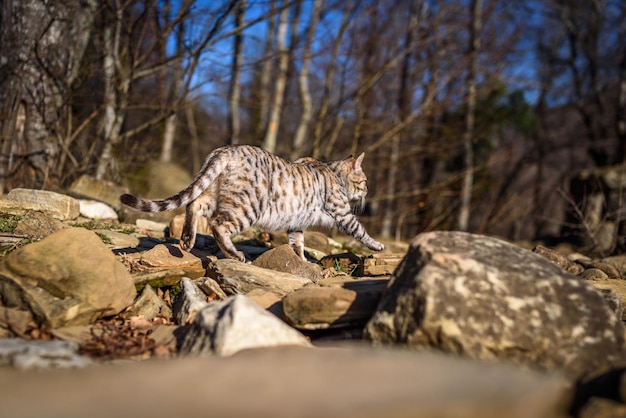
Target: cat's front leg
(296,241)
(350,225)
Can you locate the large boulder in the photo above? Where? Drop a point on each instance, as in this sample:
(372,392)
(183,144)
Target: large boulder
(68,278)
(487,299)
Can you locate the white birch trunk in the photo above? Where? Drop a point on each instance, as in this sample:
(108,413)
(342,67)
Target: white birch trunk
(273,123)
(303,82)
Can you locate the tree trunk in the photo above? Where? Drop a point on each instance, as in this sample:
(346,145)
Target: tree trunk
(173,98)
(266,71)
(115,96)
(328,81)
(468,137)
(404,109)
(234,123)
(273,123)
(41,46)
(303,82)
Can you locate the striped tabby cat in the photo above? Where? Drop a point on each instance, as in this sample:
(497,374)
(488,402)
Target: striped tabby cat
(241,186)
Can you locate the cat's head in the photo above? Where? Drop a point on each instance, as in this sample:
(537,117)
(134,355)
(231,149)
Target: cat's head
(356,181)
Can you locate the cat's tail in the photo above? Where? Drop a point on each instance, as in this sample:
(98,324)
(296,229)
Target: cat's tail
(213,166)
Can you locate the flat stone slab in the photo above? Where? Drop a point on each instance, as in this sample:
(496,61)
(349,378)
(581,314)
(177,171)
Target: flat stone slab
(351,304)
(236,277)
(19,201)
(288,382)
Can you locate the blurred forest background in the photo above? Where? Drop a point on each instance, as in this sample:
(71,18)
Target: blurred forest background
(496,117)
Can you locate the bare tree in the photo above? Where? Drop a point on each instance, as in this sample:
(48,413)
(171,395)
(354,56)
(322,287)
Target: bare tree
(128,60)
(470,115)
(404,108)
(329,79)
(303,82)
(271,133)
(235,82)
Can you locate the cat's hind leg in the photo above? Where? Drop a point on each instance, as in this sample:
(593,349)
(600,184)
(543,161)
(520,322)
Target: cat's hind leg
(195,209)
(223,227)
(188,237)
(296,241)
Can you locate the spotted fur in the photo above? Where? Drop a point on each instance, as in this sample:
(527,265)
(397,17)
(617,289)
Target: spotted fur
(241,186)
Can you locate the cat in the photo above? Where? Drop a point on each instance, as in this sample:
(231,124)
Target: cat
(240,186)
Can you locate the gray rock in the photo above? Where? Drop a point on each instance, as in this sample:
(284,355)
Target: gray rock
(289,382)
(189,302)
(19,201)
(237,323)
(486,299)
(285,260)
(25,355)
(93,209)
(68,278)
(149,305)
(235,277)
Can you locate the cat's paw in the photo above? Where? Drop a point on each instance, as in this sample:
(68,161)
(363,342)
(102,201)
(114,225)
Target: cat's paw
(376,246)
(187,242)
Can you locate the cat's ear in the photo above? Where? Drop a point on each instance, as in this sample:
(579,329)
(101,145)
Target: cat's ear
(356,164)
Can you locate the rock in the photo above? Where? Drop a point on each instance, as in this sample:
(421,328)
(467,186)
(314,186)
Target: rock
(617,261)
(592,274)
(603,408)
(381,264)
(68,278)
(171,256)
(348,263)
(210,288)
(613,301)
(118,240)
(96,210)
(38,224)
(15,322)
(317,241)
(285,260)
(289,382)
(617,289)
(20,201)
(267,300)
(149,225)
(188,302)
(235,277)
(24,355)
(87,187)
(607,268)
(313,308)
(160,278)
(483,298)
(559,259)
(237,323)
(149,305)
